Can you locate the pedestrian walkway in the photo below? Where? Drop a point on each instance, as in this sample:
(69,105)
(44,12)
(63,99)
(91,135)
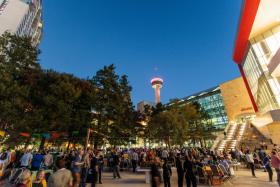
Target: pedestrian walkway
(243,179)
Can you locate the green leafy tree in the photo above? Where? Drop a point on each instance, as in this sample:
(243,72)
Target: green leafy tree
(18,58)
(113,107)
(179,123)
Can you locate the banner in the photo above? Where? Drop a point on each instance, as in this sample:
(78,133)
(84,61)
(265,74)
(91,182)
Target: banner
(2,133)
(46,135)
(24,134)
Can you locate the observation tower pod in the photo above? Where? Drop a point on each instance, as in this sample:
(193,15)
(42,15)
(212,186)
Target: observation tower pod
(157,85)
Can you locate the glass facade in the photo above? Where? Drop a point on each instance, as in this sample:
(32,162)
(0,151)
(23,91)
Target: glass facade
(265,88)
(211,100)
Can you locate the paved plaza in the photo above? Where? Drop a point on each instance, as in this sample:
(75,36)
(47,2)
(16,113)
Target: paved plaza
(243,179)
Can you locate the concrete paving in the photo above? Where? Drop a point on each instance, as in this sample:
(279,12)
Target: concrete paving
(243,179)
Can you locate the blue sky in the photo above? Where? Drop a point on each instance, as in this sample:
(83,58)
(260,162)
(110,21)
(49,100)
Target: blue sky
(188,43)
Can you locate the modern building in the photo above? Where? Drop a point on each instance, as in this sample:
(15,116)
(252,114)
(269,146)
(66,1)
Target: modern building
(257,55)
(22,17)
(225,103)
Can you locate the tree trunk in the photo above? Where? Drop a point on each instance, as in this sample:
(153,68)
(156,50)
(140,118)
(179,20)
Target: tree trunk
(87,139)
(205,144)
(193,140)
(43,140)
(95,144)
(69,141)
(201,143)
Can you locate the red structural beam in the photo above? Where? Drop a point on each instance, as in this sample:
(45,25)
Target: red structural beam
(248,15)
(248,88)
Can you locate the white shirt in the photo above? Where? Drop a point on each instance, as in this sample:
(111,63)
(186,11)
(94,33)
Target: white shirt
(249,158)
(135,156)
(164,154)
(25,159)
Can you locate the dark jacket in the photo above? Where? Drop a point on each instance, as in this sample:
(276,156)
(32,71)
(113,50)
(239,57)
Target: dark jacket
(179,165)
(166,170)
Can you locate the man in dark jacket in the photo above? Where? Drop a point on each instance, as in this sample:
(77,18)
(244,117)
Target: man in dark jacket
(155,174)
(116,166)
(180,170)
(93,171)
(167,173)
(188,168)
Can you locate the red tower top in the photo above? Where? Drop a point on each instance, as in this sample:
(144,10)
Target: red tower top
(157,82)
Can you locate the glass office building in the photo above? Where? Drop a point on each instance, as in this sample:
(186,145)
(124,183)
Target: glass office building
(210,100)
(257,65)
(257,54)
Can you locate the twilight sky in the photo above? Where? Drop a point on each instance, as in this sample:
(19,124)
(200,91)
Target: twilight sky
(188,43)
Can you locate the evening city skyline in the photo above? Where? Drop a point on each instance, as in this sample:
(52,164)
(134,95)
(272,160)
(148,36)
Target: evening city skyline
(187,43)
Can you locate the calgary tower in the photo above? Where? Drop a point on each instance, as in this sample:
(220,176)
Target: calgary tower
(157,85)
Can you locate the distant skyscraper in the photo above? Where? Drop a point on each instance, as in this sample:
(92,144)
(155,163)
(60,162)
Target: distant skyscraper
(157,85)
(141,105)
(22,17)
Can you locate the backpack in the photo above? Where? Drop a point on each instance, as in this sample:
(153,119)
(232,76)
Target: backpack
(4,156)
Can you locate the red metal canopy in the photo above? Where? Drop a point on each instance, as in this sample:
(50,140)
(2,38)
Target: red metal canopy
(248,14)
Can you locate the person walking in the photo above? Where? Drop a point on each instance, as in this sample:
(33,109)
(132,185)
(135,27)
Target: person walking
(250,160)
(100,168)
(275,162)
(164,154)
(188,168)
(267,166)
(167,173)
(62,177)
(85,168)
(180,170)
(26,159)
(116,165)
(134,160)
(155,174)
(48,160)
(77,168)
(93,170)
(37,161)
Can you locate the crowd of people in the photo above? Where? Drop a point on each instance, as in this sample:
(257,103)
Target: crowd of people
(79,167)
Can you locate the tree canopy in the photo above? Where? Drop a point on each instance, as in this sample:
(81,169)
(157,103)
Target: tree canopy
(36,101)
(178,123)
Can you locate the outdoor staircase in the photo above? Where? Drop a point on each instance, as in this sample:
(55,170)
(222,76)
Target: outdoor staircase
(234,134)
(253,138)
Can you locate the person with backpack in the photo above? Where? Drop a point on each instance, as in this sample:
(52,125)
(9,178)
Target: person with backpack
(167,173)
